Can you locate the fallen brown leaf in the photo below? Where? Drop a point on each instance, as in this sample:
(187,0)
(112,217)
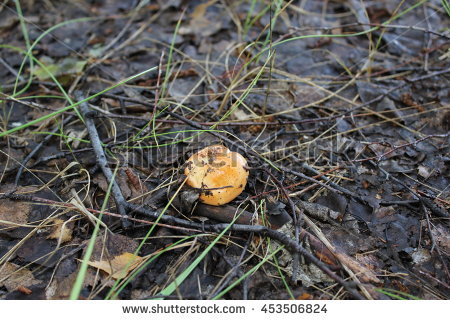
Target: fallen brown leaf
(118,267)
(13,278)
(14,213)
(61,231)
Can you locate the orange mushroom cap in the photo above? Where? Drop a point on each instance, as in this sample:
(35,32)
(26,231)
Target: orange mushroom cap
(219,173)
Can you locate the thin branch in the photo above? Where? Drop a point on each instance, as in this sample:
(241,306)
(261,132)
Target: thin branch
(36,150)
(415,142)
(102,161)
(359,24)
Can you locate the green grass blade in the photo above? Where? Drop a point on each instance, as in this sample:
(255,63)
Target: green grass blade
(113,293)
(245,275)
(148,234)
(23,26)
(446,6)
(30,49)
(179,280)
(78,285)
(283,278)
(399,295)
(67,108)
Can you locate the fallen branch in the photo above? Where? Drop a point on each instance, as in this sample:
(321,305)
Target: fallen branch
(102,161)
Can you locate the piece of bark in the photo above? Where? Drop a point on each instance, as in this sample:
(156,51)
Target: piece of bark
(225,214)
(186,203)
(320,250)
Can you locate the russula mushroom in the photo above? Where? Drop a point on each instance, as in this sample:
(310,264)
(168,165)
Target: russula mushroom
(218,173)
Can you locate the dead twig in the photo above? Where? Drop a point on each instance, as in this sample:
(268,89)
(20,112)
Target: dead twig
(36,150)
(415,142)
(359,24)
(296,220)
(434,244)
(102,161)
(423,199)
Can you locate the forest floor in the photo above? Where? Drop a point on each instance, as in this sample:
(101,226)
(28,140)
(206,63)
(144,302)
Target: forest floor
(340,108)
